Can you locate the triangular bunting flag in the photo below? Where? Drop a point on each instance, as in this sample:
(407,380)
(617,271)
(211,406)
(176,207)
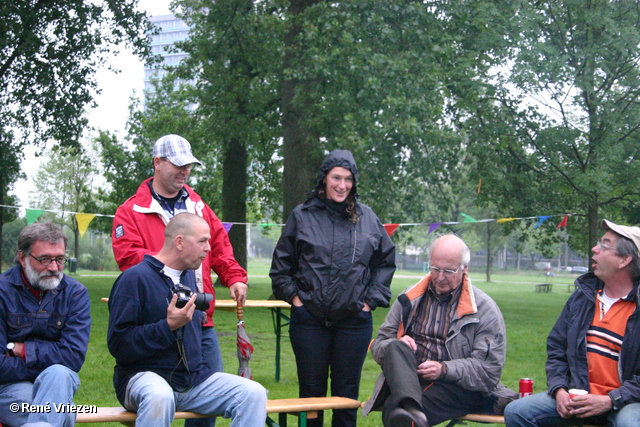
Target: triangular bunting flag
(563,223)
(467,218)
(390,228)
(541,219)
(433,226)
(32,215)
(501,220)
(83,221)
(227,226)
(266,225)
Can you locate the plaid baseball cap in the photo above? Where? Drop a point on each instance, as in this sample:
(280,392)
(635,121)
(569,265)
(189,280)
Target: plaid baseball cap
(176,149)
(632,233)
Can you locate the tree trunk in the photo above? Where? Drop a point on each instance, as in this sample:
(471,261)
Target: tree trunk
(234,196)
(300,151)
(595,231)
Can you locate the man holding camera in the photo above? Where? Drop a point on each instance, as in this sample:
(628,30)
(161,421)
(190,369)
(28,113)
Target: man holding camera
(140,221)
(156,338)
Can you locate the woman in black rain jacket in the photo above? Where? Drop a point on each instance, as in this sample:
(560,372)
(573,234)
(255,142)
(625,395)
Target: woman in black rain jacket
(333,263)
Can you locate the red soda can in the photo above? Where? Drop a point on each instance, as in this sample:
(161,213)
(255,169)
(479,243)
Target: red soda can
(526,387)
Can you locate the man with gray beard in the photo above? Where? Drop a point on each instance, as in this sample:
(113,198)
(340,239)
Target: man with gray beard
(44,332)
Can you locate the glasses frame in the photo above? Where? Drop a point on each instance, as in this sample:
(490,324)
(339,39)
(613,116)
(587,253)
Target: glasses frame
(185,167)
(446,271)
(604,246)
(47,260)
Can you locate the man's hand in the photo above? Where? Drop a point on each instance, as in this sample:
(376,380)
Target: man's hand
(241,289)
(178,317)
(410,342)
(589,405)
(430,370)
(562,403)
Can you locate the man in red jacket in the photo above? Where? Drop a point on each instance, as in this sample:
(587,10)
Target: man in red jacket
(138,229)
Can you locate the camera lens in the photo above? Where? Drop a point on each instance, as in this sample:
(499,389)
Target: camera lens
(203,300)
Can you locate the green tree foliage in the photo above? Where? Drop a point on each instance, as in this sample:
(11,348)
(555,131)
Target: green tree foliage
(10,156)
(224,99)
(557,129)
(49,53)
(123,169)
(381,78)
(10,232)
(66,183)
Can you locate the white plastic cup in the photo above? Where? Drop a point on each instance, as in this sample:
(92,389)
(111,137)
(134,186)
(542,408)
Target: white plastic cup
(577,392)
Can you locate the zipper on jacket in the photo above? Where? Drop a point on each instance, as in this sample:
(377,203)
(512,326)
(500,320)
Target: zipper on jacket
(353,258)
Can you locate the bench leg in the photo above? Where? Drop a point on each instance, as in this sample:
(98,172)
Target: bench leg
(302,419)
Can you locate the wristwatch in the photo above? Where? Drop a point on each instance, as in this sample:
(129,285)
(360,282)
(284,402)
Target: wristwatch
(10,347)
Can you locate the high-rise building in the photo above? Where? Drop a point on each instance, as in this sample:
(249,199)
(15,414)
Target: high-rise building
(172,30)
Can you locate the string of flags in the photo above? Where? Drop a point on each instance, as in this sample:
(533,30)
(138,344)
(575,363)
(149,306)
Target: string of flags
(84,219)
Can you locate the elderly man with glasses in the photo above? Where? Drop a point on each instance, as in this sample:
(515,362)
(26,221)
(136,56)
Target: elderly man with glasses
(594,345)
(44,331)
(441,347)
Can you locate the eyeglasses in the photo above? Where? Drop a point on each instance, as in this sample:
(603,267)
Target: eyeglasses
(46,260)
(186,167)
(447,272)
(604,246)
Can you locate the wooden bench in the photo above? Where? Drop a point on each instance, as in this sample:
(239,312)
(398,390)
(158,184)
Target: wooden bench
(544,287)
(488,419)
(303,408)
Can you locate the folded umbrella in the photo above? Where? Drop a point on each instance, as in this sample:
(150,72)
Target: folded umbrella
(245,349)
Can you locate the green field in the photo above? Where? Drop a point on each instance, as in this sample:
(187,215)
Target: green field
(528,315)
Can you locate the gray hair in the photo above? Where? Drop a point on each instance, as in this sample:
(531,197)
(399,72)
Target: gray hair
(38,232)
(465,254)
(626,247)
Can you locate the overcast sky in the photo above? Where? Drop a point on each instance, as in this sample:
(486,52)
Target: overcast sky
(112,111)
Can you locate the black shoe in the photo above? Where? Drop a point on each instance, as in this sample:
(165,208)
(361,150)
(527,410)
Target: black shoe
(400,417)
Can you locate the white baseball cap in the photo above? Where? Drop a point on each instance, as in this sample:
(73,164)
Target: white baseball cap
(632,233)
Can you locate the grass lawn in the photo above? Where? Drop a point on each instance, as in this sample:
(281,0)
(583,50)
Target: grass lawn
(528,315)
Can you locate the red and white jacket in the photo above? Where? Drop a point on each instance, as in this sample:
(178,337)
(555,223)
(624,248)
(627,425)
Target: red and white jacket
(138,229)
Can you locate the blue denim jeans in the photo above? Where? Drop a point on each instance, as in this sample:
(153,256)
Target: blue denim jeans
(211,354)
(339,348)
(56,384)
(231,396)
(539,410)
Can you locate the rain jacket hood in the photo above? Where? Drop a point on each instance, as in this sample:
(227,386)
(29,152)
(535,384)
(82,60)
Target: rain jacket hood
(337,158)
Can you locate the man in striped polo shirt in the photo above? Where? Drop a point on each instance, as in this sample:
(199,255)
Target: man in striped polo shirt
(594,345)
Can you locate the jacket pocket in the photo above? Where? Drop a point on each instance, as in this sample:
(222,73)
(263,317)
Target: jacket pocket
(19,326)
(364,246)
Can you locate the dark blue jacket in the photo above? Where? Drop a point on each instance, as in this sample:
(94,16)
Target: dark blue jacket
(55,331)
(139,336)
(567,345)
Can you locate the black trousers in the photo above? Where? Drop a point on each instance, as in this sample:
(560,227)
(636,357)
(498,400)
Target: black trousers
(440,400)
(335,351)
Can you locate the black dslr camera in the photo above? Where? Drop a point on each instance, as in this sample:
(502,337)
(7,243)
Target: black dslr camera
(184,295)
